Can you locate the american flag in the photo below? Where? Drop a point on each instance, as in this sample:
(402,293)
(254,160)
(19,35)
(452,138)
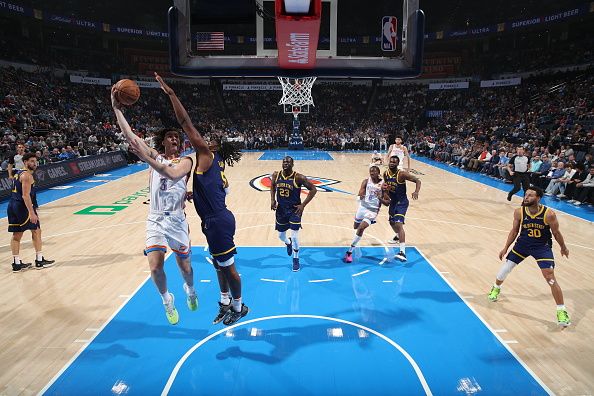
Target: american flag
(210,41)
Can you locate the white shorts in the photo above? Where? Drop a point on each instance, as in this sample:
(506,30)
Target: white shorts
(365,214)
(172,231)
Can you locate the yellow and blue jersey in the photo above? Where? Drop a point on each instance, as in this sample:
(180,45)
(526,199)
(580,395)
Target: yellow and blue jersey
(534,230)
(535,240)
(396,189)
(17,188)
(209,189)
(17,212)
(288,192)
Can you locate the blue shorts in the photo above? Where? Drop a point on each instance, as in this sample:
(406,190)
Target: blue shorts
(219,231)
(287,218)
(18,217)
(542,254)
(397,211)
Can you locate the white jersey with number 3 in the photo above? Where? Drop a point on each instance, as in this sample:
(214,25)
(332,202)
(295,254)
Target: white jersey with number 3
(369,206)
(166,223)
(167,195)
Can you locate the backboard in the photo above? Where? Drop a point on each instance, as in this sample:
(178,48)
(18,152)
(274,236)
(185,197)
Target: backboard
(238,38)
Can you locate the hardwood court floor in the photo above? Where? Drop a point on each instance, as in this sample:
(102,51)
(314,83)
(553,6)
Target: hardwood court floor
(460,225)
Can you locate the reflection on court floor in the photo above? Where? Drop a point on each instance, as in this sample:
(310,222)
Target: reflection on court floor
(372,327)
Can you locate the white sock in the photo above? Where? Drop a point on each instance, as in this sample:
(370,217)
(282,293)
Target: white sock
(560,307)
(356,240)
(496,286)
(16,259)
(283,237)
(189,289)
(295,253)
(38,256)
(225,299)
(236,304)
(403,247)
(166,297)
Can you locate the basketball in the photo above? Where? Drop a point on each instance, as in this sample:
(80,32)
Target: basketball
(127,92)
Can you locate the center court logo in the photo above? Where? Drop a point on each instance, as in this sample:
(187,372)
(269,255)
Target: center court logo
(263,183)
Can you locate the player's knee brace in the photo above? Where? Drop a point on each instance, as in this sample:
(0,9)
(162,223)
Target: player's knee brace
(226,263)
(506,268)
(282,235)
(367,221)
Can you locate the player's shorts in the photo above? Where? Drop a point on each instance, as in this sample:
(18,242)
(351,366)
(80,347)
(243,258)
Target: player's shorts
(168,229)
(18,217)
(542,254)
(364,213)
(286,218)
(397,211)
(219,230)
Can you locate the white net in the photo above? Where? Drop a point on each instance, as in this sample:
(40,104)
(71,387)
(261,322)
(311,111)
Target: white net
(297,91)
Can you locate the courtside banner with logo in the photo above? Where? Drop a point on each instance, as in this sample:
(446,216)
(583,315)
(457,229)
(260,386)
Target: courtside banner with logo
(252,87)
(501,83)
(450,85)
(147,84)
(61,172)
(90,80)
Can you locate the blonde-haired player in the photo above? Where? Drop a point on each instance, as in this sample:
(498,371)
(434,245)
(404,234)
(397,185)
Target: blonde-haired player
(166,223)
(372,195)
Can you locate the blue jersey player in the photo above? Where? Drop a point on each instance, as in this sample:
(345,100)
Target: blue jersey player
(285,196)
(536,224)
(22,214)
(395,183)
(218,223)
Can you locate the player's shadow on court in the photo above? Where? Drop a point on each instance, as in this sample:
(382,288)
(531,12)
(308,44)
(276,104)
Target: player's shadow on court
(102,354)
(521,312)
(438,296)
(287,340)
(271,261)
(120,330)
(578,306)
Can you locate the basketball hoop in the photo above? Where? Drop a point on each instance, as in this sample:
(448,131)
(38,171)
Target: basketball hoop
(297,93)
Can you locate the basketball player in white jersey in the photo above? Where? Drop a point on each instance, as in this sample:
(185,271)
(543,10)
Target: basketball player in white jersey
(166,224)
(371,197)
(399,150)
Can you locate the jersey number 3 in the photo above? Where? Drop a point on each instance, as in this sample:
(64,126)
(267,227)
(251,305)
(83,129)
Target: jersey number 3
(163,184)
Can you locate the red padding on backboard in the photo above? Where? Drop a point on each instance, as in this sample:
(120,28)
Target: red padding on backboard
(297,36)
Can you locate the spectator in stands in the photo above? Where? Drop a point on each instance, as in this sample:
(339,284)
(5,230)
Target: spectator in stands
(554,178)
(543,170)
(483,157)
(579,176)
(16,160)
(587,161)
(490,165)
(584,191)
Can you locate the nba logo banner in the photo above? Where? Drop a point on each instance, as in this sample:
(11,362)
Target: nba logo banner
(389,25)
